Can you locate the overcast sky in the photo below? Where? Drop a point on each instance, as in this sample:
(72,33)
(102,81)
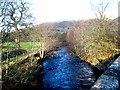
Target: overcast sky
(64,10)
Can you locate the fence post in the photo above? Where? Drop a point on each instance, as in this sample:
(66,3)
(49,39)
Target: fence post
(7,64)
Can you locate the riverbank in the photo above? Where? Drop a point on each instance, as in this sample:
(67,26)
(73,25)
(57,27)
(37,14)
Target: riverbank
(59,69)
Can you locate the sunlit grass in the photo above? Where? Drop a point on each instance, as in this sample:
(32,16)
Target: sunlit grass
(23,45)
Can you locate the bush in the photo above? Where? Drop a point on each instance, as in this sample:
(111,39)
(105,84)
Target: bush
(93,41)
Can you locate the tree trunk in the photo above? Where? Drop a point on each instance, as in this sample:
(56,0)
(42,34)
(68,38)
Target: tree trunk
(42,54)
(17,42)
(42,51)
(17,39)
(1,57)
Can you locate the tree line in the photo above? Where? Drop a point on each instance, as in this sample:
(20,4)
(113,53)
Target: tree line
(95,40)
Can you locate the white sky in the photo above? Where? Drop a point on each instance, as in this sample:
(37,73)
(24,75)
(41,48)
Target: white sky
(62,10)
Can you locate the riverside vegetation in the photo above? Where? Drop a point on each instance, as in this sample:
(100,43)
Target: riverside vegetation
(94,41)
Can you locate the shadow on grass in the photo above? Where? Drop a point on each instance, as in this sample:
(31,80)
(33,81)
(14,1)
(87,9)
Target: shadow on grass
(12,54)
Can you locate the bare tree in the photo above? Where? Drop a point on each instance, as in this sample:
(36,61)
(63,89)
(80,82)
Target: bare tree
(45,37)
(106,34)
(14,15)
(94,40)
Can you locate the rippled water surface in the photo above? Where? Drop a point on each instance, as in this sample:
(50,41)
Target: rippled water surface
(62,70)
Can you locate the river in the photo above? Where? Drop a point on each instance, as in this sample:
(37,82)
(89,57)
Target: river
(64,71)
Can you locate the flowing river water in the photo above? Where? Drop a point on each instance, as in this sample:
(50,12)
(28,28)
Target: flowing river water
(65,71)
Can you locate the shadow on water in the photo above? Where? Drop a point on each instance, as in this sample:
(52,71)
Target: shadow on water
(65,71)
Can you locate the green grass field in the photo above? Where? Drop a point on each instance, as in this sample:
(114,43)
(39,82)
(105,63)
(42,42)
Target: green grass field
(23,45)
